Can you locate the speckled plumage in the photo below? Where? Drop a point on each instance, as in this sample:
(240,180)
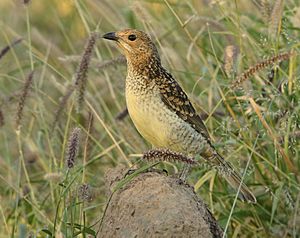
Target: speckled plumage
(161,110)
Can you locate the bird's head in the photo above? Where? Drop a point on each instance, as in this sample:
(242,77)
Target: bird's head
(136,45)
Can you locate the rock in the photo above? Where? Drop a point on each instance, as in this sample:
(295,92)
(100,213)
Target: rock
(154,205)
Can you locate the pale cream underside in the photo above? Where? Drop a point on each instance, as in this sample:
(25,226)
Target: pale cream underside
(148,115)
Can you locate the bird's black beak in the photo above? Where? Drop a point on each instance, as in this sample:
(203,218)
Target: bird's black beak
(110,36)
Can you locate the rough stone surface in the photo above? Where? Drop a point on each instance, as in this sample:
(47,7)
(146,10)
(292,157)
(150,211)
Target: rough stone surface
(154,205)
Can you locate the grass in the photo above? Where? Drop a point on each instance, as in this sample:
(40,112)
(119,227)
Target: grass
(207,45)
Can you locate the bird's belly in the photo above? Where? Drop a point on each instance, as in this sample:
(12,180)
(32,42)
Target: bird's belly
(149,119)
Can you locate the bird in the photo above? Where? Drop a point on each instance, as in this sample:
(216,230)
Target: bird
(161,110)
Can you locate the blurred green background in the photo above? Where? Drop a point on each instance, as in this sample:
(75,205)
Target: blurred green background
(39,195)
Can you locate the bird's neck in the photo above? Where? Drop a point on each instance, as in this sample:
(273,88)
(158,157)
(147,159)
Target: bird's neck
(146,66)
(142,75)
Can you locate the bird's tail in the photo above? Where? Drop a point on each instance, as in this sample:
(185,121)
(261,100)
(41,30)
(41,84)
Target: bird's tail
(234,179)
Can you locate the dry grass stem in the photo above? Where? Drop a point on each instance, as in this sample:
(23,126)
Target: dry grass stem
(287,160)
(167,155)
(108,63)
(22,98)
(1,118)
(120,60)
(53,177)
(88,135)
(7,48)
(62,105)
(71,58)
(140,11)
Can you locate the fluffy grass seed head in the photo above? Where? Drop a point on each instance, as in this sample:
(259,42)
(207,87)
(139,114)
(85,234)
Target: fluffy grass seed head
(82,70)
(85,192)
(22,98)
(230,55)
(275,18)
(259,66)
(73,147)
(167,155)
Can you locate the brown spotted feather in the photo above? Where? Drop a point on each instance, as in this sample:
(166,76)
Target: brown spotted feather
(177,100)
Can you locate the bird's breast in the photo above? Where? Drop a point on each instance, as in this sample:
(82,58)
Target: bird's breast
(148,114)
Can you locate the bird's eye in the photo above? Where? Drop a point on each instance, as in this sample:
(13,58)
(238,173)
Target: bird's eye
(131,37)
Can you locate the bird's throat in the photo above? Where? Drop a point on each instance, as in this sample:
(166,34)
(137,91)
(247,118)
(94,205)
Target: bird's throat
(149,67)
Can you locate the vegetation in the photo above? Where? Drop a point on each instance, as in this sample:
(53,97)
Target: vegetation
(62,87)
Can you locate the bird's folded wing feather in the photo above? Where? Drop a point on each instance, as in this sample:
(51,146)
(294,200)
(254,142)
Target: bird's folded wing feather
(176,100)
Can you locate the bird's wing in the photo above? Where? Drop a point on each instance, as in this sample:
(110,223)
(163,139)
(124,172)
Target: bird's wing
(176,100)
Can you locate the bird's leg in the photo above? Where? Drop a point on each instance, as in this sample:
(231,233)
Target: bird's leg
(184,172)
(131,170)
(149,170)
